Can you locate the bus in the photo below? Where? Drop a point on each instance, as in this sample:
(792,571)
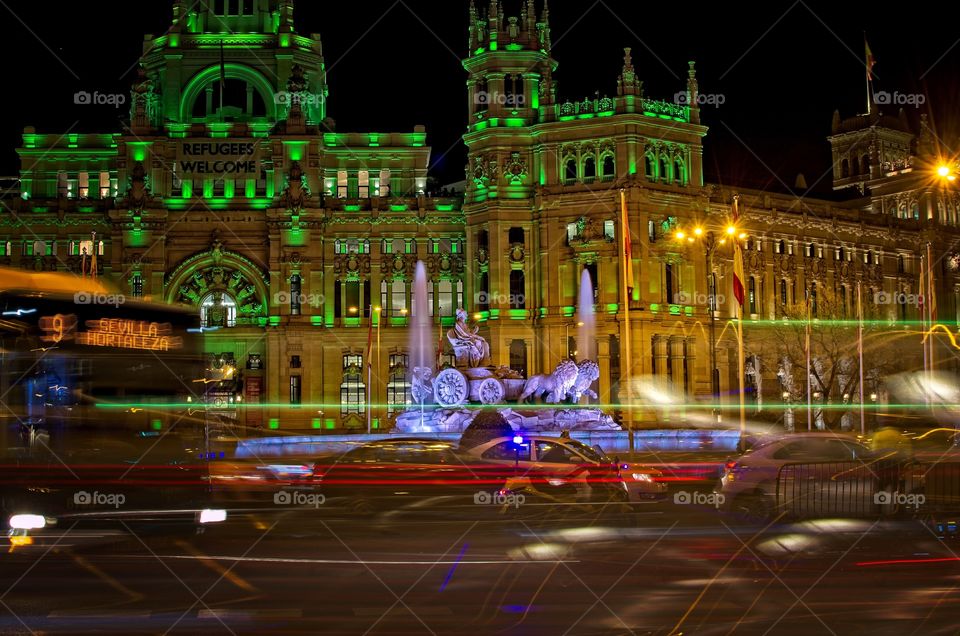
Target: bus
(101,406)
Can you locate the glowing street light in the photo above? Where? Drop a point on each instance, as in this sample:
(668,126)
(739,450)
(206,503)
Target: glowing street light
(943,170)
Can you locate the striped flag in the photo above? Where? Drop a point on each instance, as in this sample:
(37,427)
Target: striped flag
(93,255)
(627,244)
(870,59)
(738,276)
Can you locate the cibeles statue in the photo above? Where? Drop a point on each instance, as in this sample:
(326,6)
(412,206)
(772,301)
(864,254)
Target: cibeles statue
(470,348)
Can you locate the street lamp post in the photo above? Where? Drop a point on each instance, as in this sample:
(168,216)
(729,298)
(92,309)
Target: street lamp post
(710,243)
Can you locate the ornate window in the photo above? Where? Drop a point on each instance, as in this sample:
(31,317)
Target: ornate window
(384,188)
(398,384)
(353,391)
(518,297)
(570,171)
(609,172)
(218,309)
(650,166)
(136,286)
(679,172)
(589,170)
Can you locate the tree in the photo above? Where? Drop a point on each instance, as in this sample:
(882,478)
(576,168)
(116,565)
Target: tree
(832,322)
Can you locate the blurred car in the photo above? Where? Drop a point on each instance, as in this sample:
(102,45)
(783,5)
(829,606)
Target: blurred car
(749,483)
(564,459)
(405,472)
(935,443)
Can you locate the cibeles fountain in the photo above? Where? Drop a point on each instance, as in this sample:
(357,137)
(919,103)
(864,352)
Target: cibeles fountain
(447,401)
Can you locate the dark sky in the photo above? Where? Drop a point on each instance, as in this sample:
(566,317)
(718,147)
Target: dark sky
(782,68)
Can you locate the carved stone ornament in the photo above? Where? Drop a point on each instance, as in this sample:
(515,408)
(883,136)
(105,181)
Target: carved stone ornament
(515,169)
(517,253)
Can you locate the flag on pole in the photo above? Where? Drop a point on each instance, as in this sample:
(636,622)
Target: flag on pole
(869,57)
(93,255)
(83,262)
(370,342)
(627,244)
(738,276)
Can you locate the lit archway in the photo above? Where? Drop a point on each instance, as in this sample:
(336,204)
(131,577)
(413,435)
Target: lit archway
(232,71)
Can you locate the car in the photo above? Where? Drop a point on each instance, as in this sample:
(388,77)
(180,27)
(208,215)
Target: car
(561,458)
(405,473)
(749,482)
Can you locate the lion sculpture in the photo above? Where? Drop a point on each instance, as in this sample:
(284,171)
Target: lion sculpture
(587,373)
(554,386)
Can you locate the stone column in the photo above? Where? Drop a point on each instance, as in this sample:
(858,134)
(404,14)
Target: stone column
(603,360)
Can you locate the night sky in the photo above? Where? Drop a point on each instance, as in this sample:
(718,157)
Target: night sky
(781,67)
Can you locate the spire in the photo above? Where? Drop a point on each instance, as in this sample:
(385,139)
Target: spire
(544,27)
(474,36)
(286,16)
(530,18)
(693,92)
(627,83)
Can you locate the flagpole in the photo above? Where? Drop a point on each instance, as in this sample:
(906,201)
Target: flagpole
(929,303)
(809,382)
(868,54)
(625,382)
(863,419)
(924,327)
(739,281)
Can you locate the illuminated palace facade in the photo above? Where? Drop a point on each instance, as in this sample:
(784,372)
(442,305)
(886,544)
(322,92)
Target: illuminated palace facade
(232,191)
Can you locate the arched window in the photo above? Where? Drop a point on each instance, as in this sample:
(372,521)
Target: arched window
(865,164)
(218,309)
(650,167)
(855,166)
(844,168)
(589,170)
(515,236)
(665,169)
(241,101)
(753,297)
(679,174)
(609,168)
(518,289)
(570,172)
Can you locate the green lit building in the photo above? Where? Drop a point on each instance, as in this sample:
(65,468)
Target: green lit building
(231,190)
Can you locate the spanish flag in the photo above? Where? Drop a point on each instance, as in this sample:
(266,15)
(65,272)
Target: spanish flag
(627,245)
(738,276)
(870,59)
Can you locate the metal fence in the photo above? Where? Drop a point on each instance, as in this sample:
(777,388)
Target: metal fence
(875,488)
